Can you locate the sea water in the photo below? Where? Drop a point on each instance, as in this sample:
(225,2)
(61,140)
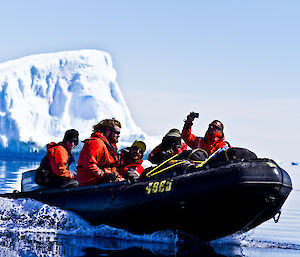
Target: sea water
(30,228)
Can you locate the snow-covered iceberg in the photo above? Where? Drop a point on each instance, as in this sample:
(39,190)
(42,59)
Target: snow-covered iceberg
(44,95)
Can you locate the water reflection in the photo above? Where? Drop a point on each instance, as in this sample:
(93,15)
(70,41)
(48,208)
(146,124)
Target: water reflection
(51,244)
(11,173)
(45,244)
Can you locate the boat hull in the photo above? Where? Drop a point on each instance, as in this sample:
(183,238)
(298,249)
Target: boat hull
(208,203)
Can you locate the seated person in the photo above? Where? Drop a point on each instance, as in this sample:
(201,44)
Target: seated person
(54,167)
(212,141)
(99,157)
(131,160)
(171,144)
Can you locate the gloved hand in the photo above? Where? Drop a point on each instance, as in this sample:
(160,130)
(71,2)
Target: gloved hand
(190,118)
(168,153)
(109,175)
(118,177)
(132,175)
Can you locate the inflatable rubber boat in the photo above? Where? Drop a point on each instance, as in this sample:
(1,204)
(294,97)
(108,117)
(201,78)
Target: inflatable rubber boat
(208,199)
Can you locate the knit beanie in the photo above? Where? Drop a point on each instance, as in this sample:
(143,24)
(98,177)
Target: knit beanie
(71,135)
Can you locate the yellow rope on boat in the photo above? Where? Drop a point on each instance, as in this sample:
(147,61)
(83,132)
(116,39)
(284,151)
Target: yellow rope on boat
(149,173)
(201,163)
(169,167)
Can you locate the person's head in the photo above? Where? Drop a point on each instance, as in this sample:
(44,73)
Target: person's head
(173,137)
(110,128)
(136,151)
(215,126)
(71,138)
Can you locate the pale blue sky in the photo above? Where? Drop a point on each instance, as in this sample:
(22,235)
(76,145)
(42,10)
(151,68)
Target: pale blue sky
(237,61)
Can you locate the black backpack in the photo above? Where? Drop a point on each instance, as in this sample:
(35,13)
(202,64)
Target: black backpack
(44,175)
(230,155)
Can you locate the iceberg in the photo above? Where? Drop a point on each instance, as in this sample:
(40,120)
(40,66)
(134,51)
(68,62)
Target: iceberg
(44,95)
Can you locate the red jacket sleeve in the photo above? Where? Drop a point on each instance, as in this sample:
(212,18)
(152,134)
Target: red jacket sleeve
(191,140)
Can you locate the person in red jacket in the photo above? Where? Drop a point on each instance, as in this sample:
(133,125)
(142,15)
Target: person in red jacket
(54,167)
(99,156)
(131,160)
(171,144)
(212,141)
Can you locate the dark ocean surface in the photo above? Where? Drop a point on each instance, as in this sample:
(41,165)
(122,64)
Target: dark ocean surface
(30,228)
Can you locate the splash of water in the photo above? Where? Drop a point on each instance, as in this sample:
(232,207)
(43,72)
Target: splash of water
(35,228)
(27,215)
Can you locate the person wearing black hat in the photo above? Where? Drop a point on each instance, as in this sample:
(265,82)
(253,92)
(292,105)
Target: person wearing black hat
(171,144)
(54,167)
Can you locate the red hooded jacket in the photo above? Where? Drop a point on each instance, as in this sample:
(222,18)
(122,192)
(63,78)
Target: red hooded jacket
(59,158)
(210,142)
(96,158)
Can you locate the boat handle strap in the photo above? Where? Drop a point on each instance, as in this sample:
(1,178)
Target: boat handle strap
(276,219)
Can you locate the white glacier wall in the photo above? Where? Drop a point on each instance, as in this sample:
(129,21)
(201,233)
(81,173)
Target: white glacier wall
(44,95)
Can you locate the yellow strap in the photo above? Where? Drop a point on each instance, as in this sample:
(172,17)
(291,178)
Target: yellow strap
(148,174)
(197,161)
(169,167)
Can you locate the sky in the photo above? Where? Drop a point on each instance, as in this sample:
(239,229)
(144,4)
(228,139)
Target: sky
(236,61)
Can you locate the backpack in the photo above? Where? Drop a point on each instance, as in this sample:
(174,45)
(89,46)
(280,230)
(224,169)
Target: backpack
(44,175)
(230,155)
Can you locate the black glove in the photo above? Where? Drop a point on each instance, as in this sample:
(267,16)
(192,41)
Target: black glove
(167,154)
(109,176)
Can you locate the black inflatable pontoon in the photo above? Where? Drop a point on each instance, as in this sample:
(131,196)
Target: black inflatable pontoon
(209,201)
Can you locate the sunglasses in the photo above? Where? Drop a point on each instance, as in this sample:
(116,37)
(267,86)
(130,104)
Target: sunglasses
(115,132)
(214,127)
(137,149)
(73,141)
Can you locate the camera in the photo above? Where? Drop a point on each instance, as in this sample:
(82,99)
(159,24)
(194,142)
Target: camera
(194,114)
